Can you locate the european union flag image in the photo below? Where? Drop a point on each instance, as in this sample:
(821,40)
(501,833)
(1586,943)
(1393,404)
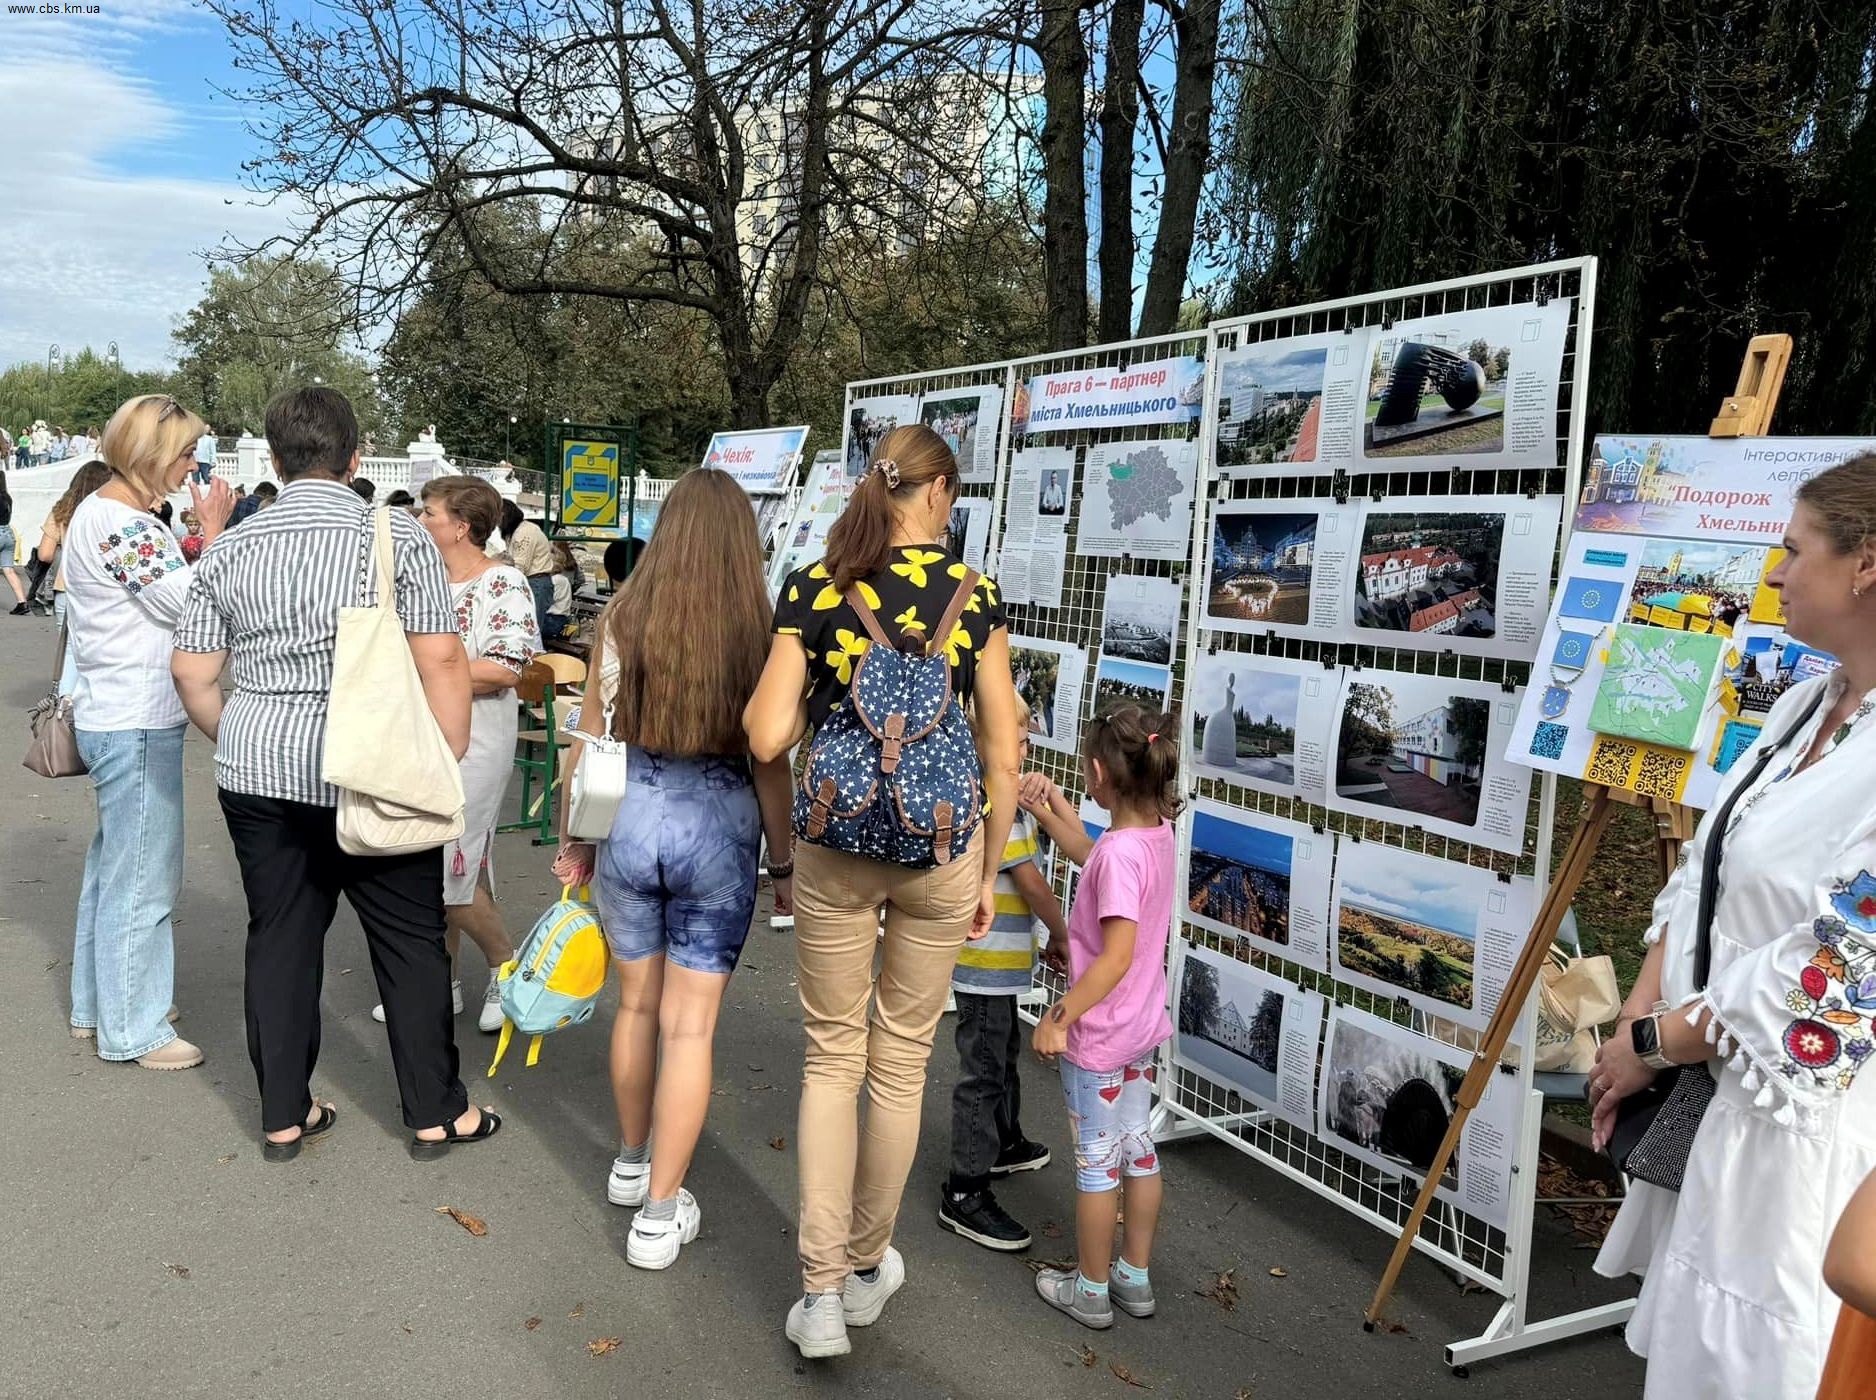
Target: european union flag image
(1594,598)
(1573,650)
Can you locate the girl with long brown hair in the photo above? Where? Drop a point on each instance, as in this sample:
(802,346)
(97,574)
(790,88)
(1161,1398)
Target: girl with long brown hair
(676,656)
(886,552)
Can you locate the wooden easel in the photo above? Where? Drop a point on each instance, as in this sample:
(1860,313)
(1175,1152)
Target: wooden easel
(1746,413)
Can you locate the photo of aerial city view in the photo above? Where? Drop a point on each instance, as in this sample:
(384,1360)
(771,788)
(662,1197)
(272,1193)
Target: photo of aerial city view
(1239,877)
(1430,573)
(1261,566)
(1269,404)
(1141,617)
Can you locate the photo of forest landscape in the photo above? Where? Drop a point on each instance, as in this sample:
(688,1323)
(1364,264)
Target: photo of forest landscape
(1239,877)
(1231,1027)
(1430,573)
(1036,674)
(1119,682)
(1411,928)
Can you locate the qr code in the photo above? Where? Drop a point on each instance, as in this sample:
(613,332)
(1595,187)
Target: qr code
(1609,763)
(1549,739)
(1661,773)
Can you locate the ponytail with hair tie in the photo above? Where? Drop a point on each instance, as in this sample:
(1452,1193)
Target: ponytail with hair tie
(1126,743)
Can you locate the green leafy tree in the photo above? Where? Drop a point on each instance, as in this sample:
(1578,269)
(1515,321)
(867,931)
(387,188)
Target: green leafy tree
(80,395)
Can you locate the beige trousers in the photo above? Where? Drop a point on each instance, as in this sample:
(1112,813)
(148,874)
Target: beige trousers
(852,1179)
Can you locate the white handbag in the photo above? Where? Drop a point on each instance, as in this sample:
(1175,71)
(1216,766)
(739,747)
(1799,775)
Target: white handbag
(400,786)
(597,786)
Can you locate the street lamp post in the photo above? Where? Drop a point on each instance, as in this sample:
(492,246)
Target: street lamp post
(508,446)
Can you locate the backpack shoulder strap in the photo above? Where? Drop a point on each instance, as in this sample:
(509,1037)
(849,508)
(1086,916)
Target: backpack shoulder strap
(942,633)
(868,618)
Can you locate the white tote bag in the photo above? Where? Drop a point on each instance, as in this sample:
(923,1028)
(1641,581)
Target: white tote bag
(400,787)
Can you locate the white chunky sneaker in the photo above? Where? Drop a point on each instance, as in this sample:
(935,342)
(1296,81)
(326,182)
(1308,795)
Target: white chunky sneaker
(627,1183)
(653,1244)
(817,1325)
(490,1020)
(862,1301)
(455,996)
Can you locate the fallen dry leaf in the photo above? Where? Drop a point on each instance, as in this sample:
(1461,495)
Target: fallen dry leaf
(602,1346)
(1126,1377)
(1051,1230)
(532,1323)
(579,1310)
(179,1270)
(1088,1358)
(778,1142)
(1278,1271)
(1244,1393)
(224,1161)
(1223,1290)
(1393,1328)
(476,1227)
(1036,1266)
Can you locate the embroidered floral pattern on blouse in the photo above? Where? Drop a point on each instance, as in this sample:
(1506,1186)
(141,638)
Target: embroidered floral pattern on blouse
(1829,1039)
(511,635)
(140,554)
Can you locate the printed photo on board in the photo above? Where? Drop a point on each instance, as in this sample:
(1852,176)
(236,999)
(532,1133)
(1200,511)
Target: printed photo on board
(1412,927)
(1695,587)
(1240,1025)
(1129,683)
(1388,1096)
(1261,567)
(1141,616)
(1052,497)
(955,420)
(1436,390)
(1239,876)
(1429,573)
(1244,718)
(1037,674)
(1423,752)
(1270,404)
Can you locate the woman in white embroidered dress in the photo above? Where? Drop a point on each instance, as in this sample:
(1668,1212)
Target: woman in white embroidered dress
(1733,1302)
(495,615)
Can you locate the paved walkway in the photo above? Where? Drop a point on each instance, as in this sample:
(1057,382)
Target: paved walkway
(149,1250)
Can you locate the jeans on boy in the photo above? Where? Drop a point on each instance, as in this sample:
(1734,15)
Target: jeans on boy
(988,1098)
(123,952)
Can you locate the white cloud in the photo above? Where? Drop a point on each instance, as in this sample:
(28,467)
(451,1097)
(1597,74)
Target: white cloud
(97,242)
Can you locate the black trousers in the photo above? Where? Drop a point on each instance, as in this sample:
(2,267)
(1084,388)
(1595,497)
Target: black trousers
(294,872)
(988,1100)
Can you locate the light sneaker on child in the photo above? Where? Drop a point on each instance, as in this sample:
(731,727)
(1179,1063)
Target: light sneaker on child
(455,997)
(817,1325)
(653,1244)
(1134,1299)
(1061,1289)
(491,1018)
(627,1183)
(863,1299)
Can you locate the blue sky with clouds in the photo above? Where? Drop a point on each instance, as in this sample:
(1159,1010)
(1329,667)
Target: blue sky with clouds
(120,165)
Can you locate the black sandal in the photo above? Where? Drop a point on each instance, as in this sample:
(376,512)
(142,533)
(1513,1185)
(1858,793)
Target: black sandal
(425,1150)
(286,1151)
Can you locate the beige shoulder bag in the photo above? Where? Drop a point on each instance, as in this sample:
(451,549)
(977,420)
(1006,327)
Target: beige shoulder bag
(400,787)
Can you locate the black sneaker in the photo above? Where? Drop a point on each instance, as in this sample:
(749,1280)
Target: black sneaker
(1021,1156)
(978,1217)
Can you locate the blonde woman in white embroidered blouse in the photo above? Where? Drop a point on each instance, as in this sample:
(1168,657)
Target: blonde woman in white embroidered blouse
(1733,1301)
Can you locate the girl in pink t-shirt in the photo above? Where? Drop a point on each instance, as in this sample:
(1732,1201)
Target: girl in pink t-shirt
(1108,1027)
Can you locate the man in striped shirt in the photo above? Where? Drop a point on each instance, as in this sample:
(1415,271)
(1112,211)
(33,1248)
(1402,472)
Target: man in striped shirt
(269,605)
(986,1136)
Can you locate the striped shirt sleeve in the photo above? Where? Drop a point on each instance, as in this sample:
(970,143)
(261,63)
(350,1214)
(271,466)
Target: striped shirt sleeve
(423,599)
(203,626)
(1022,845)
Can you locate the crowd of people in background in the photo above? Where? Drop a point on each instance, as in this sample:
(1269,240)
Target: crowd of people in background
(41,442)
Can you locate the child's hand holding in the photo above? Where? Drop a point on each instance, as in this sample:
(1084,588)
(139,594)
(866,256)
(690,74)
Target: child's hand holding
(1036,792)
(1051,1037)
(1056,953)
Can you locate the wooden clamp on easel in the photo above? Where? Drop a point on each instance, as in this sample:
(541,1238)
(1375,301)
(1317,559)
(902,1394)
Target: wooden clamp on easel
(1746,413)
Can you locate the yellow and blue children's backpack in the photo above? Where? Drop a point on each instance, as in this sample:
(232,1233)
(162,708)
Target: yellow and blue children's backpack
(554,980)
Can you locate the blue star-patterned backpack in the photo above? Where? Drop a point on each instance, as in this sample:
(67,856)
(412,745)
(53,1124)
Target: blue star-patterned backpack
(893,774)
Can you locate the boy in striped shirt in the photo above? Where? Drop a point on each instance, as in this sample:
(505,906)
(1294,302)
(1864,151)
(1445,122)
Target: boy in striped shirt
(986,1137)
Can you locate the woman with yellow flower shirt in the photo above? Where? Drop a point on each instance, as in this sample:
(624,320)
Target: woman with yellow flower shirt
(886,548)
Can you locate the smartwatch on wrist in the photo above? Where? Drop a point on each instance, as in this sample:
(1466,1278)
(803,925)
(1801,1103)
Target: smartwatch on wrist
(1645,1034)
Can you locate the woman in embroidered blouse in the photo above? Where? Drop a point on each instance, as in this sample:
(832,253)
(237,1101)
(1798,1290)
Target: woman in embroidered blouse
(126,580)
(1734,1301)
(495,615)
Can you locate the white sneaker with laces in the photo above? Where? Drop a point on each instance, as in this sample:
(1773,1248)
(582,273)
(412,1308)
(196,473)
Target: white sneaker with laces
(817,1325)
(653,1244)
(628,1182)
(490,1020)
(455,996)
(861,1301)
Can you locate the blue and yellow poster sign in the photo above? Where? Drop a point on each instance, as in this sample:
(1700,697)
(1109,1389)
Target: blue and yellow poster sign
(589,483)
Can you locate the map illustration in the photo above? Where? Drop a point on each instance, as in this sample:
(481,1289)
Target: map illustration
(1656,684)
(1138,499)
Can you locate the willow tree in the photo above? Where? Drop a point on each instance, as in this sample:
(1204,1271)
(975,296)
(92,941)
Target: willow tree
(1715,154)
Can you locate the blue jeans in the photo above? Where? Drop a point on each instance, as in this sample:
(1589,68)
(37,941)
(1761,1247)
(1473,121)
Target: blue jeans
(124,952)
(678,874)
(204,472)
(542,587)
